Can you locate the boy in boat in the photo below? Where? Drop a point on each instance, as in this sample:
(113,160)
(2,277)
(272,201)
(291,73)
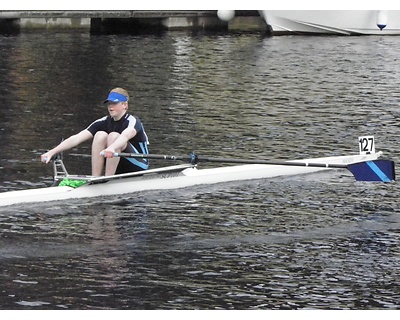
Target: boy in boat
(117,132)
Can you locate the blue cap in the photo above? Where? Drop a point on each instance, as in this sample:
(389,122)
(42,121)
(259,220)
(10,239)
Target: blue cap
(116,97)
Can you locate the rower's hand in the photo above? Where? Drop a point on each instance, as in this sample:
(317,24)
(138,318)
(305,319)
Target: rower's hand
(106,153)
(46,157)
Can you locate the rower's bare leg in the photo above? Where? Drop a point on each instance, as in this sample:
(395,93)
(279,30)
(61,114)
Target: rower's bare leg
(98,145)
(112,163)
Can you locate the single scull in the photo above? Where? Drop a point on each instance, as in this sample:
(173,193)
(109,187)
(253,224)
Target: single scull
(364,166)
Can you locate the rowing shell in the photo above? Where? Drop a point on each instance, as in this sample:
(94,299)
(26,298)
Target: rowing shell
(173,177)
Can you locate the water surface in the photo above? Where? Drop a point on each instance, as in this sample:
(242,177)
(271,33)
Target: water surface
(319,241)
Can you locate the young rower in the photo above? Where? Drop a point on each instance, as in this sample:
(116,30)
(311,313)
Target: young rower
(117,132)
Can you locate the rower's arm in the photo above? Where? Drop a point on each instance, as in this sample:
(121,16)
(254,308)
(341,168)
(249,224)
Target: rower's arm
(67,144)
(121,142)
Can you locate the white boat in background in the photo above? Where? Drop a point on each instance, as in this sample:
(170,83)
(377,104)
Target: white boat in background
(327,22)
(334,22)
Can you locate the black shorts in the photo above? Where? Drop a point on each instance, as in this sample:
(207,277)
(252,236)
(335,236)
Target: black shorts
(126,165)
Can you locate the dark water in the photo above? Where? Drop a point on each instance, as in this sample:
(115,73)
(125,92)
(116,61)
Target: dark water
(320,241)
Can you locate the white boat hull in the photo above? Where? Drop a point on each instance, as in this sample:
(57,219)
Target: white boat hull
(171,178)
(338,22)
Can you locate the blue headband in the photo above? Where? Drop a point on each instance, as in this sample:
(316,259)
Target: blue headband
(116,97)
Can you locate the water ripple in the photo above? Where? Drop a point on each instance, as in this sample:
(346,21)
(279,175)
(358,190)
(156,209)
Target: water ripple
(318,241)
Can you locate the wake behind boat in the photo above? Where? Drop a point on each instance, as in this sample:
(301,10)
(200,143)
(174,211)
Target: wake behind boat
(364,166)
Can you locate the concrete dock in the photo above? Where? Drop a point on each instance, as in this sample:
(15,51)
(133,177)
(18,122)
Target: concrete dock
(126,21)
